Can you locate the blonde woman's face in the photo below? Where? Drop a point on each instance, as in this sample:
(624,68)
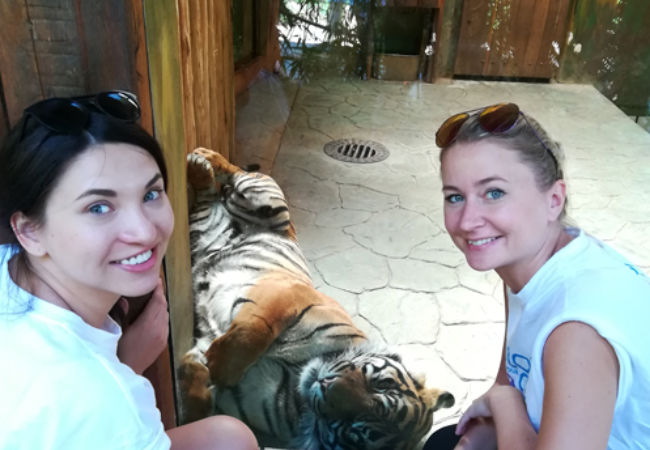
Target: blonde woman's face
(108,221)
(494,211)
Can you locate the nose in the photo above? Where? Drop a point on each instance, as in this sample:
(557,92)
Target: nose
(471,217)
(137,227)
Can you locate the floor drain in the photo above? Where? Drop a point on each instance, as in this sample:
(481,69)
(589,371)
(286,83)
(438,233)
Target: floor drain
(356,150)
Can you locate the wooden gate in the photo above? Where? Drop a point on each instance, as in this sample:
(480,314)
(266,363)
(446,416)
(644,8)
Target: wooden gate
(511,38)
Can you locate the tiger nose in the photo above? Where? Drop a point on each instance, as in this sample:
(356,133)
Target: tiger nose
(326,382)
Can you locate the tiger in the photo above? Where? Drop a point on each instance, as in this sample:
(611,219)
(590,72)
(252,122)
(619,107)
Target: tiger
(270,349)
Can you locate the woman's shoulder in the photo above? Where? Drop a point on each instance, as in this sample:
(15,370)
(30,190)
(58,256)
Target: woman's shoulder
(591,264)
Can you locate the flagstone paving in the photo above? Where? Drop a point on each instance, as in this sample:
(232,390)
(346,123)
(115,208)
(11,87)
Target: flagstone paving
(374,234)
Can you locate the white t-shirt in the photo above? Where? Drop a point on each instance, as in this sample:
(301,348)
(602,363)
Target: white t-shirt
(61,384)
(586,281)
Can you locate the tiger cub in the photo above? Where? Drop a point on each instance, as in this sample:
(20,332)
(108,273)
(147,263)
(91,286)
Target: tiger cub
(270,349)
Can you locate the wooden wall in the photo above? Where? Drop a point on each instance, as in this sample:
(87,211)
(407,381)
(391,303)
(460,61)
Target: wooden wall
(610,48)
(206,64)
(521,38)
(64,48)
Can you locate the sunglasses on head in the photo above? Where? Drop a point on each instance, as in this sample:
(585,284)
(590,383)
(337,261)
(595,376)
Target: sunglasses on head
(495,119)
(70,115)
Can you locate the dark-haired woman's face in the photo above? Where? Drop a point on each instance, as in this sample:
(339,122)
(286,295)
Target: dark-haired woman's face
(108,221)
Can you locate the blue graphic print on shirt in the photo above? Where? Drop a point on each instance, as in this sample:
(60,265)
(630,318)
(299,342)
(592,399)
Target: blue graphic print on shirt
(518,368)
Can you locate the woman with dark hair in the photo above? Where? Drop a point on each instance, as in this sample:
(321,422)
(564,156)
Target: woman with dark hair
(575,372)
(84,209)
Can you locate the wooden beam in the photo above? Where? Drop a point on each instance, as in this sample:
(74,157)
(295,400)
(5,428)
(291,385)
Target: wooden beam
(139,61)
(245,75)
(163,45)
(160,372)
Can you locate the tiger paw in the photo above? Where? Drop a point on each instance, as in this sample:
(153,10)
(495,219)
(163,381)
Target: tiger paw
(219,164)
(199,171)
(194,383)
(227,365)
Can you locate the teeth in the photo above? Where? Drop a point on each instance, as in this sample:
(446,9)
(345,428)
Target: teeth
(481,241)
(143,257)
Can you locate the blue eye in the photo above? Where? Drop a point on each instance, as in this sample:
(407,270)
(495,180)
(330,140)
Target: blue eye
(151,195)
(495,194)
(99,209)
(454,198)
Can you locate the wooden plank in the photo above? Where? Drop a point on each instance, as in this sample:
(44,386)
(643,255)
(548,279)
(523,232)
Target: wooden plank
(18,67)
(214,90)
(225,81)
(187,73)
(198,47)
(106,42)
(523,22)
(160,373)
(553,39)
(162,33)
(534,46)
(160,376)
(139,61)
(473,40)
(503,40)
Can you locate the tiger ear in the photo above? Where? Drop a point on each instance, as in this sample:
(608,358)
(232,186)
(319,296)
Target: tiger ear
(444,400)
(437,398)
(420,380)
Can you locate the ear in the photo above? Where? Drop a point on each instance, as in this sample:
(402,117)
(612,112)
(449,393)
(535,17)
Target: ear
(27,234)
(437,398)
(557,198)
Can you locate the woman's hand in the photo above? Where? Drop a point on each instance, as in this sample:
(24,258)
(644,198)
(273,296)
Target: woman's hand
(499,396)
(146,338)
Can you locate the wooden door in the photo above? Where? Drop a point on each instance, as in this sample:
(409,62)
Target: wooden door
(511,38)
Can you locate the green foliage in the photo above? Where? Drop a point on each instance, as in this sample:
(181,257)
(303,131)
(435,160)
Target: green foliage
(322,37)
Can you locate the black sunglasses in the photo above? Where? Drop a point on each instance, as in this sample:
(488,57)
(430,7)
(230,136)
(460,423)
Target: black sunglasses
(70,115)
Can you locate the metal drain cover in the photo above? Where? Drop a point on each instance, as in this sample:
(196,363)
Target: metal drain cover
(356,150)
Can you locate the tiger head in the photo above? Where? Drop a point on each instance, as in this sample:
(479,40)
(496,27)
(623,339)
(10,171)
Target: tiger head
(365,399)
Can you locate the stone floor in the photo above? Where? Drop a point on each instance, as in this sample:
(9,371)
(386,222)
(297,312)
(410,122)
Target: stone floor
(374,234)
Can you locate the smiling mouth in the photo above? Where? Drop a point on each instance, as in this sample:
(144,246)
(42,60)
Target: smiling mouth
(135,260)
(481,242)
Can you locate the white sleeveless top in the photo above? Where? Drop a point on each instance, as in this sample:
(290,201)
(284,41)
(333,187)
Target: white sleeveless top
(586,281)
(62,386)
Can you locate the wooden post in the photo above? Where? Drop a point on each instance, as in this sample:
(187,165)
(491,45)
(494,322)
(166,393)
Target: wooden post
(163,45)
(207,74)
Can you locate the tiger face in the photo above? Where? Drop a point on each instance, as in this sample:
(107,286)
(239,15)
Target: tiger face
(366,399)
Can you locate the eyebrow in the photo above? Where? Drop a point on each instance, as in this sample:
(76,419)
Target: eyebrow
(112,193)
(482,182)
